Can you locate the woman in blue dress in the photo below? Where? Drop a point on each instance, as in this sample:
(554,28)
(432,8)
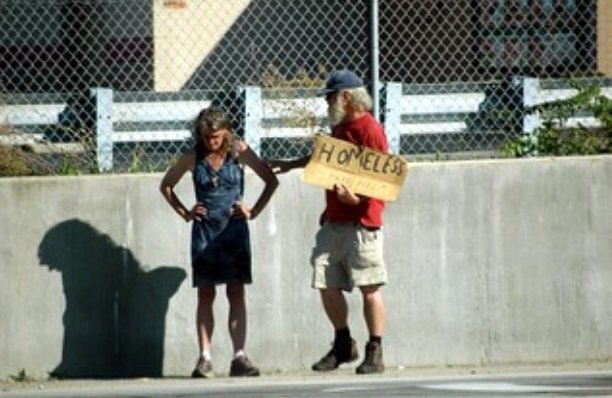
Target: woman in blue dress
(220,243)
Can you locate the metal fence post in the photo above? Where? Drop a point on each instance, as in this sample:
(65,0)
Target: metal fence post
(374,55)
(392,114)
(252,114)
(103,127)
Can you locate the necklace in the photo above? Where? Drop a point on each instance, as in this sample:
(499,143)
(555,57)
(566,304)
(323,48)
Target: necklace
(214,164)
(213,173)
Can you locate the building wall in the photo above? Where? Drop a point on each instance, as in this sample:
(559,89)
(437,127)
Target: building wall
(147,45)
(604,37)
(185,35)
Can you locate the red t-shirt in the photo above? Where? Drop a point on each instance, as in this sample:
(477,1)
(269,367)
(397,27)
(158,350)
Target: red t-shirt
(364,131)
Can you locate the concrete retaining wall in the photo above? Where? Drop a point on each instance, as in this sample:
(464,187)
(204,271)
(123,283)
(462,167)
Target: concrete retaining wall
(490,262)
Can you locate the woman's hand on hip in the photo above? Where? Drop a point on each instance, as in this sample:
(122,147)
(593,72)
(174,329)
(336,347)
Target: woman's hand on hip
(197,212)
(239,210)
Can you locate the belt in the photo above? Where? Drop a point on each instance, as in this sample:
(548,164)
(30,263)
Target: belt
(358,224)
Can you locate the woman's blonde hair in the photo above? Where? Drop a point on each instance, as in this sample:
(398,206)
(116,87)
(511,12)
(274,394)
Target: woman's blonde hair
(210,120)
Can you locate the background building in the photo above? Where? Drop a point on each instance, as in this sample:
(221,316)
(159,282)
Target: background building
(169,45)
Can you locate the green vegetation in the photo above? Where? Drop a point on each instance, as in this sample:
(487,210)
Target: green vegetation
(274,78)
(297,116)
(43,158)
(13,162)
(296,105)
(556,138)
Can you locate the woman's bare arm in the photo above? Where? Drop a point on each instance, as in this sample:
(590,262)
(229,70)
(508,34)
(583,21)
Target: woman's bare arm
(261,168)
(171,178)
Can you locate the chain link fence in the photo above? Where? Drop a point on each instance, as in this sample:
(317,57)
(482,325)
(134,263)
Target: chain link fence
(117,82)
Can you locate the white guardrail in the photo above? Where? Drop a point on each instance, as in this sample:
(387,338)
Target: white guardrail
(408,110)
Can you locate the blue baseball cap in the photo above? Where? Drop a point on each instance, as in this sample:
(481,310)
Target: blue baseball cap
(341,79)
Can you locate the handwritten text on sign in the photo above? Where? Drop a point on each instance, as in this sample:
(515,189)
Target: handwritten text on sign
(364,171)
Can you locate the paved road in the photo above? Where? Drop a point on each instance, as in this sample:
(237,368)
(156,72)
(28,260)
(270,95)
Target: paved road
(581,384)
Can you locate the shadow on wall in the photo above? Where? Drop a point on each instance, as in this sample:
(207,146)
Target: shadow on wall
(114,322)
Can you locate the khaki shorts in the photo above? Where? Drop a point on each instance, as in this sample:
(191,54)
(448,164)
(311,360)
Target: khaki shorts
(347,255)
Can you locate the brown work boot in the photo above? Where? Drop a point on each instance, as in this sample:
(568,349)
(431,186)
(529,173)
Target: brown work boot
(341,352)
(373,361)
(241,366)
(203,369)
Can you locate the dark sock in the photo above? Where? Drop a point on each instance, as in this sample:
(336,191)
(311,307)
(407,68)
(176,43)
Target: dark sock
(343,334)
(376,339)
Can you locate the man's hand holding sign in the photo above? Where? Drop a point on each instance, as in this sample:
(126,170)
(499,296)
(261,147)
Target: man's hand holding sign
(339,165)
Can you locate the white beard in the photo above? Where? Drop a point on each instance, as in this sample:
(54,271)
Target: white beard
(336,113)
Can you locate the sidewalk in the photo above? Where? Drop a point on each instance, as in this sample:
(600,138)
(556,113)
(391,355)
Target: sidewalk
(186,385)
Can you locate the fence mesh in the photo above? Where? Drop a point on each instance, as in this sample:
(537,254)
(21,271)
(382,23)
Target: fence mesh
(457,62)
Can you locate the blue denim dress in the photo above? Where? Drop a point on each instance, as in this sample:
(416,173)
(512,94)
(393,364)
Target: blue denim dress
(220,245)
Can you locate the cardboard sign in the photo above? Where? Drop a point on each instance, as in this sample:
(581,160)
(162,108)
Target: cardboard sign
(363,170)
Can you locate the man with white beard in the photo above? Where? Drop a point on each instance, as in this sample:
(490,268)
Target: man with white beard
(348,250)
